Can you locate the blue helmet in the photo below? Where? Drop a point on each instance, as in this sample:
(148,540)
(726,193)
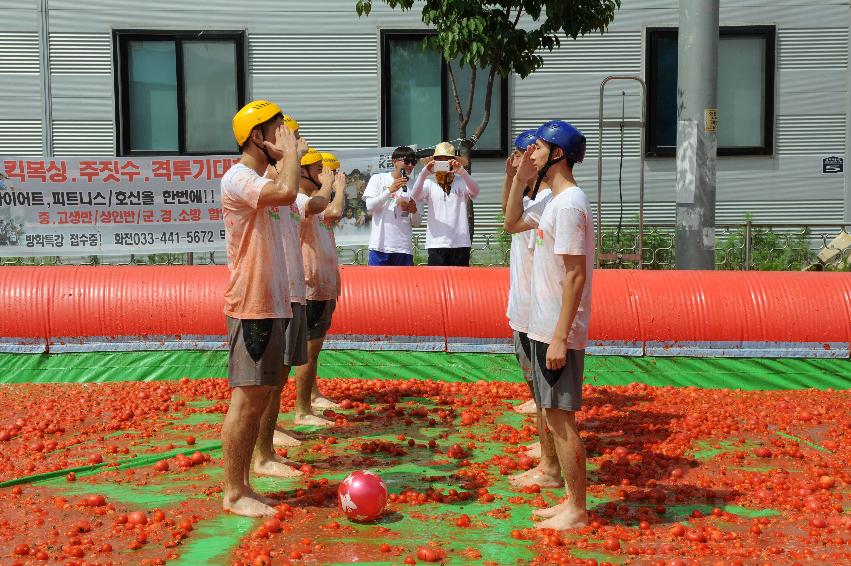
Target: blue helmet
(565,136)
(525,139)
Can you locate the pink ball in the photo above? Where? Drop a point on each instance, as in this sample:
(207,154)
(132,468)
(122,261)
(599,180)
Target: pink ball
(362,496)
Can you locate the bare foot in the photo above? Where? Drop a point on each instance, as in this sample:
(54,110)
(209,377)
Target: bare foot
(311,420)
(262,498)
(281,438)
(247,506)
(534,450)
(551,511)
(322,402)
(275,469)
(527,408)
(536,476)
(570,518)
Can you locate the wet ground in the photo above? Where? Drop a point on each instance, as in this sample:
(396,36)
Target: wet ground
(129,473)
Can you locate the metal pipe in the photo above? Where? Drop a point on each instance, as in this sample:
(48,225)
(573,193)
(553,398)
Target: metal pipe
(44,72)
(600,177)
(748,233)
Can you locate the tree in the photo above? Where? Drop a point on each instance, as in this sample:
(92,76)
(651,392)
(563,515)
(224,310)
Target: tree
(490,37)
(493,37)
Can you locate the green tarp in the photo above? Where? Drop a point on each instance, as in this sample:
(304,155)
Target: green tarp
(732,373)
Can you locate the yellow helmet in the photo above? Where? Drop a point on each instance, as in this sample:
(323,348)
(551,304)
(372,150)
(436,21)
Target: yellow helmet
(330,160)
(291,123)
(312,156)
(251,115)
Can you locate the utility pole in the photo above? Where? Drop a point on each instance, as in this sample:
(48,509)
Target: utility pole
(847,213)
(697,121)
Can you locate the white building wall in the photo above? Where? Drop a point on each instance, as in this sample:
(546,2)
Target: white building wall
(321,62)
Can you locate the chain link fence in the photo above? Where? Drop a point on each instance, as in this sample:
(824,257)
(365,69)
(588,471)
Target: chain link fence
(738,247)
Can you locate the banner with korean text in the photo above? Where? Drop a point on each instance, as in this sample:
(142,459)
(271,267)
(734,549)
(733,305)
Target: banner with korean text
(139,205)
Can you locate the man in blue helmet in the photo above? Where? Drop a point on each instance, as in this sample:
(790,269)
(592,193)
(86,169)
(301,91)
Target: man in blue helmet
(547,473)
(562,266)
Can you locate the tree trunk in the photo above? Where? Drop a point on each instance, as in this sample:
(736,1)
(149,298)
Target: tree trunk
(466,146)
(464,150)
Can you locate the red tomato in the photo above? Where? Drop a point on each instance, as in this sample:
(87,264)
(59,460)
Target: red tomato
(94,500)
(273,525)
(22,550)
(427,554)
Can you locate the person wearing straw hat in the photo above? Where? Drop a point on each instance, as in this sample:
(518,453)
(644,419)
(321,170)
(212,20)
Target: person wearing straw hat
(447,187)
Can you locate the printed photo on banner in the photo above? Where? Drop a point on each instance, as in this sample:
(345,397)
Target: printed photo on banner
(359,165)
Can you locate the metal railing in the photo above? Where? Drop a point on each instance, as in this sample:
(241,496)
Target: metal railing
(741,247)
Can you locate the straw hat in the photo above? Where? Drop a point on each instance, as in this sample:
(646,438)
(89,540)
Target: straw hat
(446,149)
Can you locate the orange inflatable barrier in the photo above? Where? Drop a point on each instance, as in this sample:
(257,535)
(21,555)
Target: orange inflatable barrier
(693,313)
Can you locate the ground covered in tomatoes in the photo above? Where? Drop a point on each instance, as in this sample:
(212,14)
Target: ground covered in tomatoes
(118,473)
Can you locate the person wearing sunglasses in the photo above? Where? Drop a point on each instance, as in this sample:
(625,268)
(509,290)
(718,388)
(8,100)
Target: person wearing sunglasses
(393,212)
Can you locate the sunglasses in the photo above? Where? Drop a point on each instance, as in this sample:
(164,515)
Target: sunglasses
(409,160)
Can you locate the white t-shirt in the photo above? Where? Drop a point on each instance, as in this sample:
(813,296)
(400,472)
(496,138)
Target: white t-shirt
(391,228)
(319,252)
(566,228)
(291,226)
(447,213)
(291,220)
(520,290)
(258,286)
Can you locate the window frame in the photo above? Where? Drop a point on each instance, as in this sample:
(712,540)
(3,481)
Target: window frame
(120,53)
(769,33)
(501,110)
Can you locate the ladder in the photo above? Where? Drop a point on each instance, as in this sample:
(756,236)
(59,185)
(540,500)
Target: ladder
(621,124)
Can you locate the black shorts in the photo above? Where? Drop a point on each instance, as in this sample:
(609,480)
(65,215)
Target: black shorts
(256,351)
(319,315)
(457,257)
(523,353)
(561,388)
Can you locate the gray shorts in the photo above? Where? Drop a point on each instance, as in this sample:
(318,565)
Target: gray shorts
(256,351)
(295,337)
(319,315)
(557,389)
(523,353)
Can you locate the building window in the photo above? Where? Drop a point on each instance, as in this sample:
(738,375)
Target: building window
(745,91)
(177,92)
(417,106)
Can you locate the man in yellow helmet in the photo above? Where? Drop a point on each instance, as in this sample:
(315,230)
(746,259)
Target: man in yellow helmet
(257,296)
(321,272)
(266,461)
